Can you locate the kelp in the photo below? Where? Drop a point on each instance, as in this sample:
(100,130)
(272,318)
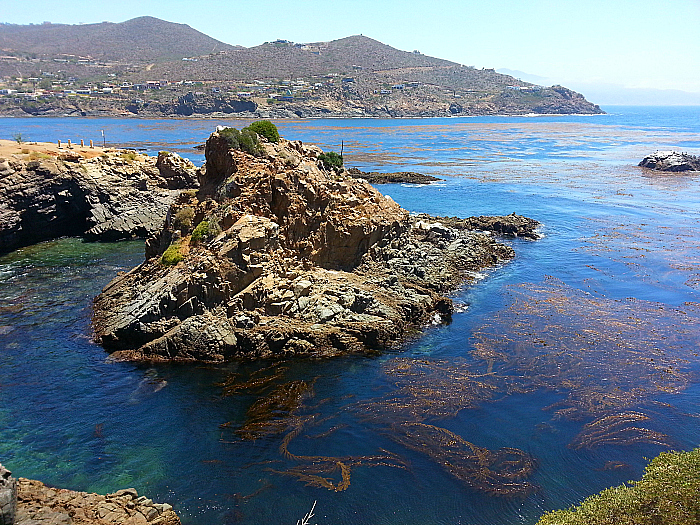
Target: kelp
(273,413)
(605,355)
(618,429)
(501,472)
(429,389)
(257,382)
(313,470)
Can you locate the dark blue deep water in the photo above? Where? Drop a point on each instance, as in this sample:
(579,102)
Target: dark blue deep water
(581,353)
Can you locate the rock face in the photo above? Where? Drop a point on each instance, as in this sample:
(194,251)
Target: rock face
(42,505)
(671,161)
(116,195)
(285,259)
(8,497)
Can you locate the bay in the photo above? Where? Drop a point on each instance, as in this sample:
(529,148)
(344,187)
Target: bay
(582,353)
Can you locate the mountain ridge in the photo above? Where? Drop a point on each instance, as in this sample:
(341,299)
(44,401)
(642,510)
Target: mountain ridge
(151,67)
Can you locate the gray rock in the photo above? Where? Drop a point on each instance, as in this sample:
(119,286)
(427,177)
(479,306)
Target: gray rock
(672,161)
(8,497)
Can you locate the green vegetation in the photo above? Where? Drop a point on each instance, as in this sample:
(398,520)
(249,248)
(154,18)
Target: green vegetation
(129,156)
(266,129)
(244,140)
(200,232)
(667,494)
(172,255)
(183,220)
(18,138)
(331,161)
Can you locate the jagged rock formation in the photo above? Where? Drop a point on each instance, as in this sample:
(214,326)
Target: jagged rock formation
(109,196)
(671,161)
(38,504)
(286,259)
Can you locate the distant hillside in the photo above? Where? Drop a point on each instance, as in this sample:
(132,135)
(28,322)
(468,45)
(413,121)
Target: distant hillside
(143,39)
(289,60)
(150,67)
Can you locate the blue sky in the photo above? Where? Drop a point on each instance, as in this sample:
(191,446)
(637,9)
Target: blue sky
(635,44)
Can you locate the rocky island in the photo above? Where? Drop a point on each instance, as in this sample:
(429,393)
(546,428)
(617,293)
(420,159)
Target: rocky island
(672,161)
(279,254)
(51,190)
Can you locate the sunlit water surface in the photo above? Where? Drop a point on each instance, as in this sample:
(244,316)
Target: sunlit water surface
(562,372)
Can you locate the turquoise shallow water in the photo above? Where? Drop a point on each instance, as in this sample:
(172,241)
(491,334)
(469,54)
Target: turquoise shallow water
(599,319)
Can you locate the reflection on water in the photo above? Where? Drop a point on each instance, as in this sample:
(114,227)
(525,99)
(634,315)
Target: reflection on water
(569,367)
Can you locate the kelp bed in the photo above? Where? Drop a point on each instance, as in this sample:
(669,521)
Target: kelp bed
(609,361)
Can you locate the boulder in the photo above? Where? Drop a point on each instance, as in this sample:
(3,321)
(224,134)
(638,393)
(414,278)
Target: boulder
(8,497)
(671,161)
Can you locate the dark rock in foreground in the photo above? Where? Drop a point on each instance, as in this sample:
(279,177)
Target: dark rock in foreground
(285,259)
(409,177)
(671,161)
(112,195)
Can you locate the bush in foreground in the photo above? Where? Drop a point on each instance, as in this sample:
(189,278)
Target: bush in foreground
(667,494)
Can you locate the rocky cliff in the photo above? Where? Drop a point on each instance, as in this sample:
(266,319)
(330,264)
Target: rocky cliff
(276,256)
(47,192)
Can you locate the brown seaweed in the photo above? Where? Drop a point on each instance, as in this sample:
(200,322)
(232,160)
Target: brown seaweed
(617,429)
(499,472)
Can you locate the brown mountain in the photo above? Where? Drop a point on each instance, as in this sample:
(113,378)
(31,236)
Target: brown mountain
(143,39)
(353,76)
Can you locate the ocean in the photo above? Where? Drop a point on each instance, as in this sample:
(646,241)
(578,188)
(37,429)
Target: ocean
(561,374)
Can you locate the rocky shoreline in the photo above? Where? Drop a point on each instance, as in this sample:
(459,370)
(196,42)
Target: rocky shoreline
(29,502)
(47,191)
(283,257)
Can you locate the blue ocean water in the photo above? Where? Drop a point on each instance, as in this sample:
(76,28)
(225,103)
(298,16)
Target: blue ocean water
(581,353)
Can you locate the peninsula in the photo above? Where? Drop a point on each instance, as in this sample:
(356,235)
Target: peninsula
(152,68)
(282,253)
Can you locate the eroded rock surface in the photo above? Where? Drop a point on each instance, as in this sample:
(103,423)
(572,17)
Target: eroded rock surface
(38,504)
(116,195)
(283,258)
(671,161)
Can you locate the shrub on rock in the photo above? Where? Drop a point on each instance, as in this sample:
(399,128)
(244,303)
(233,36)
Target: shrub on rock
(266,129)
(331,161)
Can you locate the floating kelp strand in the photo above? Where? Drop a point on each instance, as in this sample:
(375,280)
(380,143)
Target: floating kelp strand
(500,472)
(618,429)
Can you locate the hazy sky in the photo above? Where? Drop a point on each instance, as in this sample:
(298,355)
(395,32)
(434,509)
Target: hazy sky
(635,43)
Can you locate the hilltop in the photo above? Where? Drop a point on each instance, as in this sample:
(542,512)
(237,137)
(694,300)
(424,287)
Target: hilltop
(153,68)
(143,39)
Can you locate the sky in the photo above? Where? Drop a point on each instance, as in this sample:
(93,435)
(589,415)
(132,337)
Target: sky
(641,44)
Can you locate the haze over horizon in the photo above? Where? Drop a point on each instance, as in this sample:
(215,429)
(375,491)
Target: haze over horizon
(646,46)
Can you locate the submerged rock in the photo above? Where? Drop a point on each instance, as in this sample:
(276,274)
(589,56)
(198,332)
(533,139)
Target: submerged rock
(284,258)
(671,161)
(105,196)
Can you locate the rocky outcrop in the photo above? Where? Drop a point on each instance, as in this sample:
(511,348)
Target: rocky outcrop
(507,225)
(41,505)
(8,497)
(116,195)
(283,258)
(408,177)
(671,161)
